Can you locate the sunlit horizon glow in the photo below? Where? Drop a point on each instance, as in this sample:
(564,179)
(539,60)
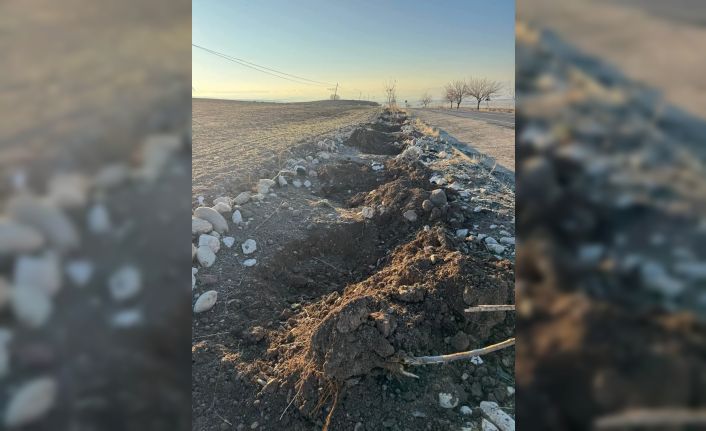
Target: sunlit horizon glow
(361,45)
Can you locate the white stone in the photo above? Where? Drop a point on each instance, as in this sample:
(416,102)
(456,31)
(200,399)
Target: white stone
(367,212)
(212,216)
(508,240)
(410,215)
(193,279)
(242,198)
(125,283)
(323,155)
(222,199)
(307,183)
(249,246)
(48,219)
(442,154)
(193,251)
(237,217)
(222,207)
(199,226)
(126,318)
(487,425)
(264,186)
(692,270)
(79,271)
(32,401)
(68,190)
(98,219)
(206,301)
(249,262)
(282,181)
(157,150)
(476,360)
(205,256)
(111,176)
(228,241)
(201,200)
(211,242)
(31,305)
(313,174)
(495,248)
(296,183)
(447,401)
(656,277)
(42,272)
(16,238)
(499,418)
(477,209)
(490,240)
(461,233)
(466,411)
(510,390)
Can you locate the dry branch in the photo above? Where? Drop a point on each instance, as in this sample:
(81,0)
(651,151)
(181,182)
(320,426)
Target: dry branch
(487,308)
(442,359)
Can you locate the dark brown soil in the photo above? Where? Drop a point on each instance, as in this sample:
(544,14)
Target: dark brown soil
(374,142)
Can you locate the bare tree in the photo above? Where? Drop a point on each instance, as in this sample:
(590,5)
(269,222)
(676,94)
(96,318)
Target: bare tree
(335,97)
(391,93)
(459,89)
(482,89)
(425,100)
(449,95)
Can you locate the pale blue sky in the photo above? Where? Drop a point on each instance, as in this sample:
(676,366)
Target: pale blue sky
(359,44)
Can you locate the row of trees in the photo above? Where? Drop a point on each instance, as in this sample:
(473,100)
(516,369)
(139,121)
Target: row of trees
(455,92)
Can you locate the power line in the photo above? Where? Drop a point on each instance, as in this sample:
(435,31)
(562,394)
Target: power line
(260,68)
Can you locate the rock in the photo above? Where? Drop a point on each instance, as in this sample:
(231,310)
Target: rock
(228,241)
(125,283)
(5,293)
(193,251)
(427,205)
(249,262)
(205,256)
(200,200)
(495,248)
(300,170)
(655,277)
(199,226)
(264,186)
(193,277)
(435,214)
(438,198)
(206,301)
(46,218)
(80,271)
(5,338)
(68,190)
(461,233)
(410,215)
(508,240)
(359,427)
(442,154)
(466,411)
(32,401)
(307,183)
(313,174)
(42,272)
(477,360)
(282,181)
(488,239)
(367,212)
(499,418)
(31,305)
(222,207)
(98,219)
(460,341)
(211,242)
(487,425)
(510,390)
(212,216)
(694,271)
(447,401)
(237,217)
(126,318)
(297,183)
(156,152)
(249,246)
(242,198)
(16,238)
(222,199)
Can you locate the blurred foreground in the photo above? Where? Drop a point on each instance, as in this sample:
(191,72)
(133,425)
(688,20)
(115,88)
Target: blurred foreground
(611,193)
(94,183)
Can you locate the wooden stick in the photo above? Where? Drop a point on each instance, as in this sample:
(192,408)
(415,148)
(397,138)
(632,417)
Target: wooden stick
(485,308)
(652,418)
(442,359)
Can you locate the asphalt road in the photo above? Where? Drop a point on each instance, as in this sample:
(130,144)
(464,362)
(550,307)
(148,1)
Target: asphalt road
(498,118)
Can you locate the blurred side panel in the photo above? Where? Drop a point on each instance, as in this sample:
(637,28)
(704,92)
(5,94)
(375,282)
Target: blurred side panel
(611,215)
(94,201)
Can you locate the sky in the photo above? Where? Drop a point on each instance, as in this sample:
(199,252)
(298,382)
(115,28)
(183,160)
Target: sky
(361,45)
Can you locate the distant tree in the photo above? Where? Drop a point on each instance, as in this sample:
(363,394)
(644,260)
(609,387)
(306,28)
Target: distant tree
(425,100)
(449,95)
(335,97)
(391,93)
(459,89)
(482,89)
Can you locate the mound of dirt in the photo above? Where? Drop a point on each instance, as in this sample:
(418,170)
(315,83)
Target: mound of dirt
(374,142)
(406,308)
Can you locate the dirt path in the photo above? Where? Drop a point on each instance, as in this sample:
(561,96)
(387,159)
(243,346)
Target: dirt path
(255,135)
(494,140)
(346,281)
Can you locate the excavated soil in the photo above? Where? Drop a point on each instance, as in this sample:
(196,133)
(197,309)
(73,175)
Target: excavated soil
(314,334)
